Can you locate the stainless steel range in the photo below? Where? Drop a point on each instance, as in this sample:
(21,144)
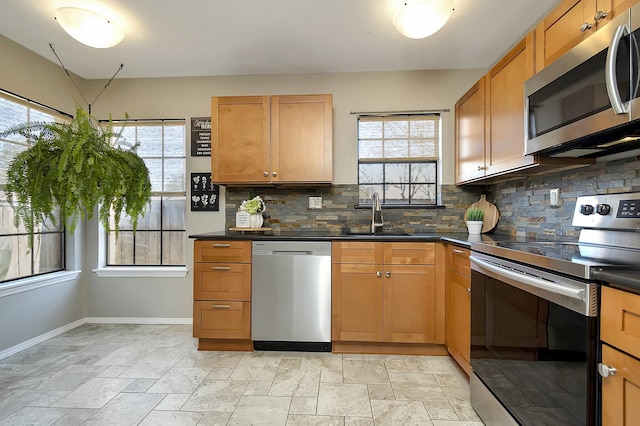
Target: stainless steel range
(534,310)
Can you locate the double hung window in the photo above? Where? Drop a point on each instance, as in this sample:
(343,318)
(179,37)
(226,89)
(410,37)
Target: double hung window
(160,238)
(17,258)
(398,158)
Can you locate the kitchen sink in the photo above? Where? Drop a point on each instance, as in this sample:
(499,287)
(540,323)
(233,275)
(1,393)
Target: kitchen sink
(384,232)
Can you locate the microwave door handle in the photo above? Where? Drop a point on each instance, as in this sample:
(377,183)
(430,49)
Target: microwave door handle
(610,71)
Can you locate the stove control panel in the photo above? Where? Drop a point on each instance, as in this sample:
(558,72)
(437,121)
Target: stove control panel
(608,211)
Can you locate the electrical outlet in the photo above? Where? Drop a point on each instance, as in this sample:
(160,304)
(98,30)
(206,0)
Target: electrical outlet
(554,196)
(315,202)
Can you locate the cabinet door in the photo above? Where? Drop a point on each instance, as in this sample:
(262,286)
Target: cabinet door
(215,319)
(470,149)
(301,139)
(222,251)
(459,318)
(356,300)
(409,253)
(620,320)
(560,30)
(240,139)
(410,304)
(220,281)
(621,392)
(357,252)
(505,134)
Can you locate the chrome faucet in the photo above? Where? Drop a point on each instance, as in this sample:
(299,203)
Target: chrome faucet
(376,213)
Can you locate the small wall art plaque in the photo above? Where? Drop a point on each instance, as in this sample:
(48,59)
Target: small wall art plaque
(204,193)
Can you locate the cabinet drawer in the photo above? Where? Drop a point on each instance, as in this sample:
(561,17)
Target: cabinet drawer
(222,319)
(222,281)
(409,253)
(361,252)
(222,251)
(620,320)
(459,259)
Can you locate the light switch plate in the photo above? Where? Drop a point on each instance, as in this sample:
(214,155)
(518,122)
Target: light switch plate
(315,202)
(554,196)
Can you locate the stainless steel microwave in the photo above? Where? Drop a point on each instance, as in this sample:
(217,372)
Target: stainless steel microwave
(587,103)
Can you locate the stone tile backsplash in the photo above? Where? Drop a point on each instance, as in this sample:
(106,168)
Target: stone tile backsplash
(525,206)
(288,209)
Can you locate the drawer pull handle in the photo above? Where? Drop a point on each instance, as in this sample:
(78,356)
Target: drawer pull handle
(221,268)
(221,245)
(221,306)
(457,251)
(605,370)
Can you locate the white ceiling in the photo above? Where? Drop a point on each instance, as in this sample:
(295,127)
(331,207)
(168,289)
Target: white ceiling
(170,38)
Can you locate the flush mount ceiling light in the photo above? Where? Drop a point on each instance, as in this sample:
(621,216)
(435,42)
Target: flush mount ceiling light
(422,18)
(89,27)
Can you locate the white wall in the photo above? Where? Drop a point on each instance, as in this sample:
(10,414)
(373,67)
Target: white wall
(27,315)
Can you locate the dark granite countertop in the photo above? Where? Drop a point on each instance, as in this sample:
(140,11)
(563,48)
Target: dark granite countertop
(621,277)
(463,239)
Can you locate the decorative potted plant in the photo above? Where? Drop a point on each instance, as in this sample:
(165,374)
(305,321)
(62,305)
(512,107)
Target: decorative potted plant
(475,217)
(70,169)
(254,206)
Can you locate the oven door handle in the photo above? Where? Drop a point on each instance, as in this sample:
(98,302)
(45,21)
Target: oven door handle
(531,280)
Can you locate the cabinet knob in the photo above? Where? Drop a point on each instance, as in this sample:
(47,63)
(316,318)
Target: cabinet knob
(378,274)
(585,27)
(481,168)
(605,370)
(266,174)
(387,274)
(469,290)
(600,15)
(274,174)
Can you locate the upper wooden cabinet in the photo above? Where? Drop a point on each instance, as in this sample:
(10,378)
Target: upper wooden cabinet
(470,142)
(570,23)
(272,139)
(490,118)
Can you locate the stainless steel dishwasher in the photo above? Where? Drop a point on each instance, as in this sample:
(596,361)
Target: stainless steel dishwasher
(291,295)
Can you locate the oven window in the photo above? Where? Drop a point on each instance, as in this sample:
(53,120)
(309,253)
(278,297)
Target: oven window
(536,357)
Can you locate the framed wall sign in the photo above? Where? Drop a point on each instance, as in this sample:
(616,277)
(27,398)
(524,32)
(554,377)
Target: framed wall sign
(201,136)
(204,193)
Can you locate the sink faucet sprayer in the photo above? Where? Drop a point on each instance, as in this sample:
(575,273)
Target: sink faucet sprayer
(376,213)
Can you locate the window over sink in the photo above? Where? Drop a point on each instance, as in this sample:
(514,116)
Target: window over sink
(398,157)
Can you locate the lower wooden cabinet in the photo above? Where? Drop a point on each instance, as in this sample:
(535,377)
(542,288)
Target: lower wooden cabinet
(222,319)
(386,293)
(620,333)
(222,295)
(620,392)
(458,283)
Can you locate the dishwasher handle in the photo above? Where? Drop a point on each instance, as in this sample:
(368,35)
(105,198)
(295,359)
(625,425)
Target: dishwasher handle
(292,252)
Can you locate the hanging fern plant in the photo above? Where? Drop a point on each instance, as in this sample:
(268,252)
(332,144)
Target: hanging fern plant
(70,170)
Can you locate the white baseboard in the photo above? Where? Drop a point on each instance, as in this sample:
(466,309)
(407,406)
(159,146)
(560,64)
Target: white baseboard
(41,338)
(89,320)
(134,320)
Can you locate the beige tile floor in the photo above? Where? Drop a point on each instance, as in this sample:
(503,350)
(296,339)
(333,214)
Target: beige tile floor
(153,375)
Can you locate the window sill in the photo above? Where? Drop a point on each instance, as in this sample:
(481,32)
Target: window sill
(142,272)
(402,206)
(32,283)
